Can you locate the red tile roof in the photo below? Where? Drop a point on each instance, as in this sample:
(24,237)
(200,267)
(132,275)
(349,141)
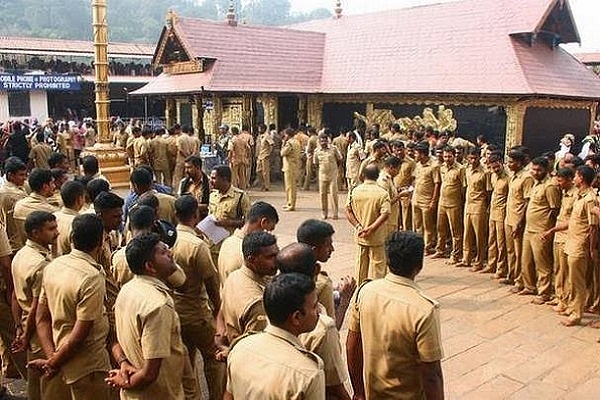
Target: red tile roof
(463,47)
(588,58)
(28,45)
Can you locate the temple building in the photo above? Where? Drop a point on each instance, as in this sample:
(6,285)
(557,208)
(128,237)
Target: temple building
(496,64)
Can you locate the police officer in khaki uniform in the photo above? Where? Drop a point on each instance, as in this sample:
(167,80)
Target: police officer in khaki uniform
(239,156)
(73,197)
(417,355)
(72,301)
(38,156)
(141,153)
(354,157)
(263,163)
(497,256)
(519,189)
(141,180)
(291,151)
(311,145)
(27,269)
(243,310)
(186,146)
(199,299)
(564,178)
(171,140)
(326,159)
(541,213)
(42,186)
(149,339)
(160,158)
(581,245)
(425,196)
(391,167)
(341,142)
(367,210)
(450,208)
(476,213)
(377,156)
(281,367)
(404,183)
(195,183)
(12,191)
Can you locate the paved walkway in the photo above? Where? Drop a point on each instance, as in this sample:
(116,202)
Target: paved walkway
(497,345)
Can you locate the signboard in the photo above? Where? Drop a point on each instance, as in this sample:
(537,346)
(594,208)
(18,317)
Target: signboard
(40,82)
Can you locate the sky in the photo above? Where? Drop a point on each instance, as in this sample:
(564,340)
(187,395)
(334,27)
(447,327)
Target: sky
(586,13)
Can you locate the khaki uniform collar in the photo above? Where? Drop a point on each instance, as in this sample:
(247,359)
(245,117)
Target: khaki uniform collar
(284,335)
(39,248)
(186,229)
(82,255)
(152,281)
(68,211)
(12,186)
(239,233)
(38,197)
(572,191)
(252,275)
(401,280)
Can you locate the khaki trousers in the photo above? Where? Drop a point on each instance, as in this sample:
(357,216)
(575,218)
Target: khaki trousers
(537,264)
(475,239)
(371,263)
(452,217)
(239,176)
(578,270)
(92,387)
(289,179)
(424,224)
(263,168)
(514,249)
(497,248)
(164,177)
(39,387)
(561,274)
(309,173)
(406,214)
(327,187)
(13,362)
(178,171)
(200,336)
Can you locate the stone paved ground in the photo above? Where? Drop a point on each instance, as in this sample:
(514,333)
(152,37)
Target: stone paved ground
(497,345)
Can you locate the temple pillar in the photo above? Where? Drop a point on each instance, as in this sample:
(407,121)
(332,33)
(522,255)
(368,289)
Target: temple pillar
(370,111)
(170,112)
(315,112)
(247,110)
(593,115)
(270,109)
(198,115)
(217,115)
(302,101)
(178,110)
(515,118)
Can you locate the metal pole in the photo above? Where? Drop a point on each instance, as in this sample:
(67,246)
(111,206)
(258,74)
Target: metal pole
(100,34)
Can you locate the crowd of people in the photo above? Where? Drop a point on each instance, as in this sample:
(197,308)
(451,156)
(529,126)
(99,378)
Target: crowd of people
(142,286)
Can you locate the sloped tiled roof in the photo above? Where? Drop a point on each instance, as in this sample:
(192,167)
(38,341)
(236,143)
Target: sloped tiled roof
(76,47)
(462,47)
(588,58)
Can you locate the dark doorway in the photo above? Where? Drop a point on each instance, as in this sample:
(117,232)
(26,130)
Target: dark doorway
(544,128)
(287,112)
(185,114)
(340,116)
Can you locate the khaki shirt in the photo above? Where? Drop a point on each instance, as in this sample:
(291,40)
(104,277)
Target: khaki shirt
(582,217)
(73,287)
(27,270)
(166,207)
(265,146)
(327,162)
(193,255)
(453,184)
(141,154)
(171,142)
(110,244)
(396,346)
(369,160)
(499,185)
(545,198)
(5,249)
(566,208)
(148,328)
(519,188)
(426,177)
(185,146)
(477,190)
(311,146)
(324,341)
(291,151)
(281,368)
(368,202)
(386,182)
(9,195)
(33,202)
(324,292)
(405,177)
(39,155)
(243,308)
(239,150)
(119,268)
(160,157)
(230,255)
(354,158)
(233,204)
(64,220)
(341,143)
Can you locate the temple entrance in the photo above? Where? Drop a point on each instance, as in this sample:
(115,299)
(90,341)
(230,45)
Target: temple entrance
(340,116)
(287,112)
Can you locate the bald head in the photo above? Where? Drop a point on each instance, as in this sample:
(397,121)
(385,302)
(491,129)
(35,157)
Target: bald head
(297,257)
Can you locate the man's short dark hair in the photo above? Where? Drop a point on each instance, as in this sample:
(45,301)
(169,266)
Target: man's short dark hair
(141,177)
(70,192)
(38,178)
(517,155)
(541,161)
(150,200)
(107,201)
(313,232)
(140,250)
(566,173)
(141,217)
(147,168)
(404,251)
(185,207)
(58,173)
(14,164)
(262,209)
(285,295)
(223,171)
(90,165)
(587,173)
(87,232)
(371,171)
(422,148)
(56,158)
(36,220)
(397,143)
(495,157)
(474,151)
(297,257)
(95,187)
(253,242)
(195,160)
(379,144)
(393,162)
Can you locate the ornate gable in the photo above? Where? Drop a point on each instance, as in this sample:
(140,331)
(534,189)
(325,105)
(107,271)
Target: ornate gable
(171,53)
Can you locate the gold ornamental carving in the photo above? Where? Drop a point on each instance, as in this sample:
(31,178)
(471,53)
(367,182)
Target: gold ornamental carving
(184,67)
(441,120)
(315,111)
(515,118)
(270,109)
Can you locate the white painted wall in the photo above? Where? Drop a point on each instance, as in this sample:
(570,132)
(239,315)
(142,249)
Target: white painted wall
(39,105)
(4,107)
